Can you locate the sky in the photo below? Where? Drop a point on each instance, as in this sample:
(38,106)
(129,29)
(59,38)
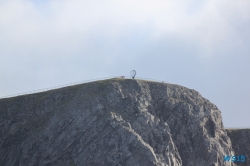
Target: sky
(202,45)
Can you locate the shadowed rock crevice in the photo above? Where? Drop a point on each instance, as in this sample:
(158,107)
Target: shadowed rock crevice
(210,127)
(113,122)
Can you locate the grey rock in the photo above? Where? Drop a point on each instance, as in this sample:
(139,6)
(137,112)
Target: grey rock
(241,144)
(116,122)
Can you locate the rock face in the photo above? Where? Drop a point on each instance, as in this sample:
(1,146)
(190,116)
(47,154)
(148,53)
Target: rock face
(116,122)
(241,143)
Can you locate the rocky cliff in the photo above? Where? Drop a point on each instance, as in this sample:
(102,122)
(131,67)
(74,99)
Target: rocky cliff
(240,139)
(116,122)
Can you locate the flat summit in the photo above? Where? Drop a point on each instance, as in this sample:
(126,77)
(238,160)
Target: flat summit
(115,122)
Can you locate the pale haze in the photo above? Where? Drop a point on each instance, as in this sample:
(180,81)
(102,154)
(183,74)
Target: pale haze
(202,45)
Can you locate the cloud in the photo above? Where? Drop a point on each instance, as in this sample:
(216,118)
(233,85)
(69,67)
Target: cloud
(64,29)
(50,26)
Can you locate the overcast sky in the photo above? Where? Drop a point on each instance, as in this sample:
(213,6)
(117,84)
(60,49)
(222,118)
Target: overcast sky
(202,45)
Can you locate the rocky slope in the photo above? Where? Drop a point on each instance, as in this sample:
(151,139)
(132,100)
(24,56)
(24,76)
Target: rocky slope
(113,122)
(241,143)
